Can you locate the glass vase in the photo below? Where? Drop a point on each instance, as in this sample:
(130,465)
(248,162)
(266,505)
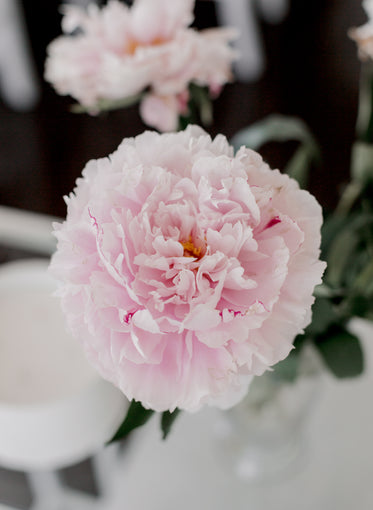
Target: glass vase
(264,436)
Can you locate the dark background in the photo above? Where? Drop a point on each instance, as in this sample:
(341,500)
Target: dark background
(312,72)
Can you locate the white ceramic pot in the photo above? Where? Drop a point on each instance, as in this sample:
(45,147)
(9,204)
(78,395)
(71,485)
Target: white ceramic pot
(55,410)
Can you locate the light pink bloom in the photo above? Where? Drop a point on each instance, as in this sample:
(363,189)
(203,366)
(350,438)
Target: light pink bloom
(203,57)
(363,35)
(163,112)
(120,52)
(215,58)
(186,270)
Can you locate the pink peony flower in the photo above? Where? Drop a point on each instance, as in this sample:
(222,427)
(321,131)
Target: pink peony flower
(186,270)
(120,52)
(363,35)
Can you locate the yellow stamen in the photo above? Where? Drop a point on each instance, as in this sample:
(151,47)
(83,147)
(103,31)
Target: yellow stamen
(190,250)
(132,45)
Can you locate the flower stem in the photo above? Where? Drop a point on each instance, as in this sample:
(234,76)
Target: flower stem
(364,125)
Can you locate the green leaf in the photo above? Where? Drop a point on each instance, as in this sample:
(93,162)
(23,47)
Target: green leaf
(362,162)
(363,283)
(199,107)
(361,178)
(276,128)
(136,416)
(323,316)
(167,421)
(280,128)
(340,253)
(184,121)
(331,227)
(201,98)
(297,167)
(324,291)
(350,196)
(360,306)
(287,369)
(341,351)
(344,247)
(364,125)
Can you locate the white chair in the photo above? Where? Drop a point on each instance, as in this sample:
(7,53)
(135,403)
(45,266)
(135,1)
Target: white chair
(19,85)
(242,14)
(55,410)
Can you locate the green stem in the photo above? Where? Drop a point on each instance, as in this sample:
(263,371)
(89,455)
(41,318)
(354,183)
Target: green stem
(364,125)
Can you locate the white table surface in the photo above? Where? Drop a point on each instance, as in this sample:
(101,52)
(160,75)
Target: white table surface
(185,471)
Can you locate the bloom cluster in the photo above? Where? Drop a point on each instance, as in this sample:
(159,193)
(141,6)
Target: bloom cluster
(185,269)
(363,35)
(118,52)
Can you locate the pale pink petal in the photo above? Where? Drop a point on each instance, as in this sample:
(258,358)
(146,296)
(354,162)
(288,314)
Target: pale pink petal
(160,19)
(161,112)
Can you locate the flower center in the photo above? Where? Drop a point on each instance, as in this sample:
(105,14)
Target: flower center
(190,249)
(132,45)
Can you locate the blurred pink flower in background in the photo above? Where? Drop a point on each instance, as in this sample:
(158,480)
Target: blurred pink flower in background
(118,52)
(363,35)
(162,112)
(185,269)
